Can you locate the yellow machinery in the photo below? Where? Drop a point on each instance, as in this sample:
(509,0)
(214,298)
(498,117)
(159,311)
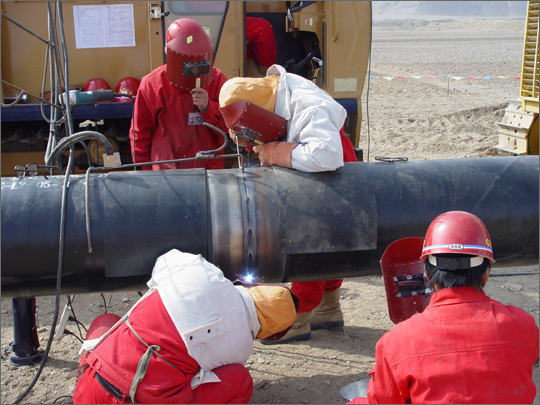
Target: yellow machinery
(327,42)
(518,131)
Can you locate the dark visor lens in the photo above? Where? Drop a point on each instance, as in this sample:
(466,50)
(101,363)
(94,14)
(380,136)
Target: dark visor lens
(197,68)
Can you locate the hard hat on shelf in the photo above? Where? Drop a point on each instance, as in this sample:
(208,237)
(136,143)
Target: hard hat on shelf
(129,86)
(96,84)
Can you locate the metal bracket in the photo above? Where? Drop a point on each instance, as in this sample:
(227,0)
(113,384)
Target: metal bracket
(112,160)
(63,320)
(156,14)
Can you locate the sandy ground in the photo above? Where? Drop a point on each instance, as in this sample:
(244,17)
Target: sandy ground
(417,118)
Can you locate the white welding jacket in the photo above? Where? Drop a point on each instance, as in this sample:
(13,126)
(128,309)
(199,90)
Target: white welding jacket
(314,120)
(216,320)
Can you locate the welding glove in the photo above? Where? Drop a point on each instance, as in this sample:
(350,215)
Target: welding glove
(275,153)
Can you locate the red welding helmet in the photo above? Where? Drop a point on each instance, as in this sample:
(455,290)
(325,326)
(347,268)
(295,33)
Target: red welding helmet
(96,84)
(404,282)
(458,232)
(100,325)
(129,86)
(189,55)
(254,123)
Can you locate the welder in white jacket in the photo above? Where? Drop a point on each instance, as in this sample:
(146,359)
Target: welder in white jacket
(185,341)
(314,142)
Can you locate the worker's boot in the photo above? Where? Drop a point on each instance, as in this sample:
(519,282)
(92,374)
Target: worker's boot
(328,314)
(301,330)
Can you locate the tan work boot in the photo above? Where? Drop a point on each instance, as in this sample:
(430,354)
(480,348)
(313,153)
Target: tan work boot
(301,330)
(328,314)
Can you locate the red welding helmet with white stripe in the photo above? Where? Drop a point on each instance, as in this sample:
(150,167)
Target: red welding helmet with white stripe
(458,233)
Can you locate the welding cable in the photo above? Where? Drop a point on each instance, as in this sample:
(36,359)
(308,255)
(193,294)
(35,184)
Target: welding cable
(78,137)
(105,303)
(74,317)
(17,99)
(68,332)
(533,273)
(368,83)
(61,245)
(63,396)
(50,60)
(65,65)
(132,144)
(79,324)
(225,140)
(54,124)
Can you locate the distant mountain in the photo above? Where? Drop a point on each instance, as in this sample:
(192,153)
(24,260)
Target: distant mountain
(458,9)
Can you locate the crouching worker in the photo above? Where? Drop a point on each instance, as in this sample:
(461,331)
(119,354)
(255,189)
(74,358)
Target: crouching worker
(464,347)
(185,341)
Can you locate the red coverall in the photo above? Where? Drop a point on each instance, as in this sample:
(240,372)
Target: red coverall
(161,123)
(464,348)
(116,359)
(261,44)
(310,292)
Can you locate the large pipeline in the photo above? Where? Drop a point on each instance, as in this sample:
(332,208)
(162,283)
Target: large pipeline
(273,223)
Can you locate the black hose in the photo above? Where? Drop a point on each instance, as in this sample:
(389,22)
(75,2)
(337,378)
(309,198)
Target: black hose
(78,137)
(513,274)
(58,280)
(225,140)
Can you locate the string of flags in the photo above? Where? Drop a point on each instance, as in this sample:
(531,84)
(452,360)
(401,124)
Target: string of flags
(488,78)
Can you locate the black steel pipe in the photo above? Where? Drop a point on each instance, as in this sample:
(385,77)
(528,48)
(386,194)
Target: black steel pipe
(25,336)
(274,223)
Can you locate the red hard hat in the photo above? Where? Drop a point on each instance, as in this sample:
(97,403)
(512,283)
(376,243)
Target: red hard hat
(129,86)
(100,325)
(96,84)
(189,54)
(457,232)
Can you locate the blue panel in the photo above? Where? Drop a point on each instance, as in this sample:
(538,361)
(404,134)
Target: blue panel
(350,104)
(32,112)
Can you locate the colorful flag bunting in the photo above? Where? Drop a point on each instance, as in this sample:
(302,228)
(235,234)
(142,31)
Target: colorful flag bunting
(488,78)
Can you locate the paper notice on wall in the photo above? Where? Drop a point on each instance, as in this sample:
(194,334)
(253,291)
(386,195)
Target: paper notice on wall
(107,26)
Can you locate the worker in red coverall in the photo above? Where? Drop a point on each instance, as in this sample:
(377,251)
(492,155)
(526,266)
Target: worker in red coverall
(185,341)
(174,101)
(315,142)
(261,47)
(464,347)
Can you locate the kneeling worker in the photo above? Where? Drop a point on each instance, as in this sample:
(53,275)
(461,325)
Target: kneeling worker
(464,347)
(185,340)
